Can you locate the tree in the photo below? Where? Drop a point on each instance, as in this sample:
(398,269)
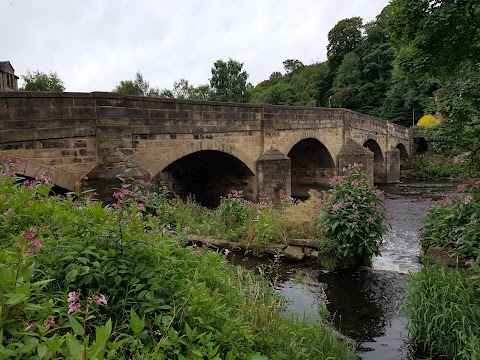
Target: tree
(440,39)
(291,65)
(435,37)
(40,81)
(459,131)
(137,87)
(347,83)
(183,90)
(229,81)
(344,37)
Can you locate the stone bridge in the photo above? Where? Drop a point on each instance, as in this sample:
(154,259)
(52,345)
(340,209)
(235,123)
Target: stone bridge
(202,148)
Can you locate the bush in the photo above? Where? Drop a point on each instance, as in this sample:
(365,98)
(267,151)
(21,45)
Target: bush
(434,168)
(453,222)
(354,218)
(300,219)
(444,311)
(428,121)
(84,281)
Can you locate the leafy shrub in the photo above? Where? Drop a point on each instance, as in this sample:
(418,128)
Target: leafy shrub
(232,214)
(434,168)
(354,218)
(163,300)
(265,228)
(428,120)
(444,311)
(454,222)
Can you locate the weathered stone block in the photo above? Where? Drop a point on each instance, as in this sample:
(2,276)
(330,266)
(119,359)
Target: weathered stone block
(294,253)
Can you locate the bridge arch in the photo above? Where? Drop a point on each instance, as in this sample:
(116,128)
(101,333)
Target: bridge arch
(207,170)
(379,175)
(312,166)
(404,158)
(294,140)
(200,145)
(403,151)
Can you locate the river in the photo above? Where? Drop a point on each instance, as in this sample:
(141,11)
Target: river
(365,303)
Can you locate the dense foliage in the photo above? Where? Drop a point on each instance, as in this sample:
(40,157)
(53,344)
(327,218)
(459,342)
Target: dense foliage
(354,218)
(453,222)
(442,303)
(80,280)
(40,81)
(138,87)
(435,167)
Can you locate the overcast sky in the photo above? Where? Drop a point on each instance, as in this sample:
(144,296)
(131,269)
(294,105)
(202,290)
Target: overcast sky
(93,44)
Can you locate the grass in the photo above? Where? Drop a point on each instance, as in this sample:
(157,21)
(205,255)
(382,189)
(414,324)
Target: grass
(444,311)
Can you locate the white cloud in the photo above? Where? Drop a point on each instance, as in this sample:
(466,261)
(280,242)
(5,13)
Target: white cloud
(93,44)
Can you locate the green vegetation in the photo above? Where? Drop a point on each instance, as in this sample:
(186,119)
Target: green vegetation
(138,87)
(454,223)
(442,304)
(40,81)
(444,312)
(428,121)
(82,280)
(354,218)
(440,167)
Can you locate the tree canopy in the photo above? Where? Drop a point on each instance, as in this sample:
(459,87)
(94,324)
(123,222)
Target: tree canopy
(40,81)
(229,81)
(139,87)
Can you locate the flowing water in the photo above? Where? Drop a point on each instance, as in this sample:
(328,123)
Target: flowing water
(365,303)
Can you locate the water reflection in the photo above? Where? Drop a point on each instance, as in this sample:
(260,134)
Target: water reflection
(364,303)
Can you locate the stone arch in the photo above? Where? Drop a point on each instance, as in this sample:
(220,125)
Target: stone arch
(379,170)
(208,172)
(403,150)
(192,147)
(307,135)
(312,166)
(404,158)
(32,168)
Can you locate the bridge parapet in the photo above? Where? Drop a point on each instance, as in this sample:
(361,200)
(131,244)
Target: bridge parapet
(103,135)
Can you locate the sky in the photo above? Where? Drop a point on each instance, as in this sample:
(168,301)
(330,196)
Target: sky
(94,44)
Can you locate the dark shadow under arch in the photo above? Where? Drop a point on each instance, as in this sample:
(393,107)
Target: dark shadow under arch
(379,175)
(404,158)
(312,166)
(207,175)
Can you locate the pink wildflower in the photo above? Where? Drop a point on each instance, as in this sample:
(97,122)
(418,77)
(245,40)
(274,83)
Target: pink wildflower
(170,234)
(468,199)
(199,254)
(36,243)
(49,321)
(73,296)
(29,325)
(336,207)
(30,251)
(30,233)
(72,307)
(469,262)
(98,299)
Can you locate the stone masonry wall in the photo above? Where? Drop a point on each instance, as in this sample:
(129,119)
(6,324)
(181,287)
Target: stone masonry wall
(105,135)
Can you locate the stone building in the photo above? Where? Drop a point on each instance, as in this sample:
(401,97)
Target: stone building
(8,79)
